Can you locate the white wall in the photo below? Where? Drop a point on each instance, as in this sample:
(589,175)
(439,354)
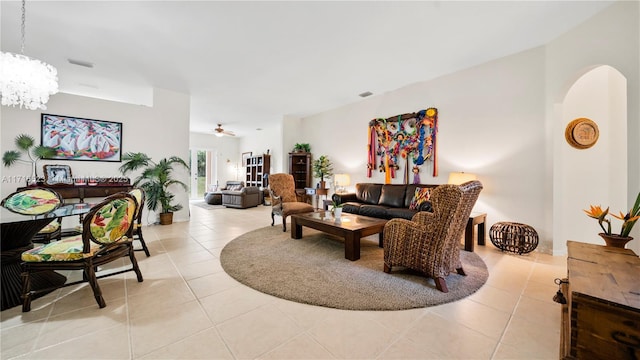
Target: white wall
(145,130)
(268,138)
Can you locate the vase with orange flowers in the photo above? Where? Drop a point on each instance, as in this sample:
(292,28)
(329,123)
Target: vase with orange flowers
(628,220)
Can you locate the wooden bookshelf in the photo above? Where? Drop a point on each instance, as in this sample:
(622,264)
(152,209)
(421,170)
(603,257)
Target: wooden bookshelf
(300,168)
(256,168)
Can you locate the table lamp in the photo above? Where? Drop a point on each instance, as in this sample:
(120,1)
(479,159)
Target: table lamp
(457,178)
(341,181)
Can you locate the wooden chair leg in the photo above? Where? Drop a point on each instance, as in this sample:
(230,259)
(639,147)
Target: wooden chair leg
(144,244)
(441,284)
(284,224)
(272,219)
(134,263)
(387,268)
(93,281)
(26,290)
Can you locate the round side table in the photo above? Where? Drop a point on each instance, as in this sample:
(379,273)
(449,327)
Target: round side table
(514,237)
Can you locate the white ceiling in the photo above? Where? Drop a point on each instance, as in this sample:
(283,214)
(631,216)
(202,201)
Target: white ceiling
(247,63)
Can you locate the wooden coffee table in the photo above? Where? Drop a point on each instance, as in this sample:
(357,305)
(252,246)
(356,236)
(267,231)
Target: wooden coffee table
(350,227)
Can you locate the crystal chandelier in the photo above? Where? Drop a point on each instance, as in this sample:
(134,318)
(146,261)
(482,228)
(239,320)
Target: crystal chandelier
(25,81)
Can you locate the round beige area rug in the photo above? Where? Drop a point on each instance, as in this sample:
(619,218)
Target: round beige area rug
(313,270)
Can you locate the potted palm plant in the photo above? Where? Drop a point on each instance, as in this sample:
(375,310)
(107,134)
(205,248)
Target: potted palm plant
(27,144)
(155,180)
(322,167)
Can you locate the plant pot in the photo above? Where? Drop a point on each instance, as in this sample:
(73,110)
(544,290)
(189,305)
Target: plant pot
(323,185)
(166,218)
(615,240)
(337,213)
(33,179)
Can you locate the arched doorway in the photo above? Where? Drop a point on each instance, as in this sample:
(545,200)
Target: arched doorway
(593,176)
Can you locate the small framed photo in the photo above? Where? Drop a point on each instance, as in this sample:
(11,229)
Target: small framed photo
(245,158)
(57,174)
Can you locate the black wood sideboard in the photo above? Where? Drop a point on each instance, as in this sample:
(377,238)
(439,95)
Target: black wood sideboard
(82,192)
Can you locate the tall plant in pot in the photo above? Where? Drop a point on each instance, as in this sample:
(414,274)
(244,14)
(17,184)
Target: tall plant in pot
(155,180)
(322,167)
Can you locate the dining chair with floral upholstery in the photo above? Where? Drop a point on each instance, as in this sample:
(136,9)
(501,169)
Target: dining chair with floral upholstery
(32,201)
(53,231)
(106,236)
(37,210)
(284,200)
(36,201)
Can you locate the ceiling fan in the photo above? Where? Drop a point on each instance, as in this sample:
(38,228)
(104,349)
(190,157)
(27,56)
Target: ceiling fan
(219,131)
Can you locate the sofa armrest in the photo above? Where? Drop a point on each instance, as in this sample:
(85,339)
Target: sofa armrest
(251,190)
(343,198)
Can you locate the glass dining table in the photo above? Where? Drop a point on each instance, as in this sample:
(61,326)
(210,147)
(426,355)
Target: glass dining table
(16,232)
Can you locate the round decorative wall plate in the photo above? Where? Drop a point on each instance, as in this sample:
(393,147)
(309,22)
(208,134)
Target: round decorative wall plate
(581,133)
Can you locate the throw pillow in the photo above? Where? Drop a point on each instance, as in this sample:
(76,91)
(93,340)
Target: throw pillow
(421,196)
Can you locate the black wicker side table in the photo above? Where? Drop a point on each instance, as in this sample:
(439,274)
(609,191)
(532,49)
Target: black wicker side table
(514,237)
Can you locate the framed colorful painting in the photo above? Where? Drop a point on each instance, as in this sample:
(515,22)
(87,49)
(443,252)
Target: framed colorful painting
(76,138)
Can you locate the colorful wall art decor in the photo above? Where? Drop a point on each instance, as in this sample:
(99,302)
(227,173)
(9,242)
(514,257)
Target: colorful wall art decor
(82,139)
(407,140)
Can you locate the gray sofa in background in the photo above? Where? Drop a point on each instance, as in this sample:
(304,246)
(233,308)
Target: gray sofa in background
(245,197)
(215,197)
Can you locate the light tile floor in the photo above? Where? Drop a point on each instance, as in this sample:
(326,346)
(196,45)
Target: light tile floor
(189,308)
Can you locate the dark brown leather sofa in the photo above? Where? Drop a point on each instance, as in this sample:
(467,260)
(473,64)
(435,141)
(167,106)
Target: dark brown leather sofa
(385,201)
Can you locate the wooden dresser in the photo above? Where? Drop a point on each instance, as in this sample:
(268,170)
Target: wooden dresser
(601,319)
(82,192)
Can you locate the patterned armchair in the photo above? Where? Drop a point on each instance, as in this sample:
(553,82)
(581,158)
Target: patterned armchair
(284,200)
(106,237)
(430,242)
